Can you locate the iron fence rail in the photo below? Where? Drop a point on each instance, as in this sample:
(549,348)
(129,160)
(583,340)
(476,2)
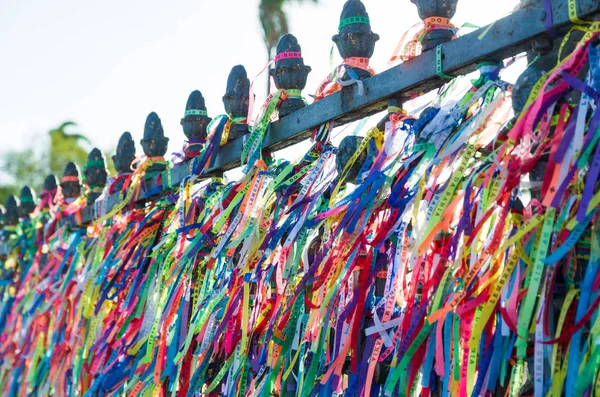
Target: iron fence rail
(502,39)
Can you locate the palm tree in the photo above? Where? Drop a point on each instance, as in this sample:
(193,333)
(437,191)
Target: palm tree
(65,147)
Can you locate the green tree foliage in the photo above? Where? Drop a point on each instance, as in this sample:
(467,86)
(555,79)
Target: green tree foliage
(26,167)
(7,190)
(65,147)
(110,165)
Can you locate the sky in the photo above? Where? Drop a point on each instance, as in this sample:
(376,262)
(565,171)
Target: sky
(107,64)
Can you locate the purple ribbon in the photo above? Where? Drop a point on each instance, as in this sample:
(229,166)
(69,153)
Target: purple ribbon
(549,23)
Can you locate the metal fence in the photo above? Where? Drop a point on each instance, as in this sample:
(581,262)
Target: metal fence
(532,29)
(502,39)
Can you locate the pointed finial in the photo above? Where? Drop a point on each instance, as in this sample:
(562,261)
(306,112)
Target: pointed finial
(50,184)
(27,199)
(355,40)
(125,154)
(236,98)
(70,183)
(290,73)
(236,101)
(11,217)
(194,122)
(436,16)
(96,174)
(49,190)
(154,142)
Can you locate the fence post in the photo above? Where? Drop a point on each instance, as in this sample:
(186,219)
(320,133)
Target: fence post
(154,143)
(194,122)
(11,217)
(48,192)
(27,199)
(96,174)
(290,74)
(70,183)
(436,15)
(122,159)
(355,40)
(236,101)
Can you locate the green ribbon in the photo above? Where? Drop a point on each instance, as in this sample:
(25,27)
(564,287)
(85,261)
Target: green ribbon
(94,163)
(439,68)
(294,92)
(238,119)
(535,279)
(255,140)
(195,112)
(353,20)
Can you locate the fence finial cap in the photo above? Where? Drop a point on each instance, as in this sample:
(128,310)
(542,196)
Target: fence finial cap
(27,199)
(237,93)
(50,183)
(355,39)
(154,142)
(125,154)
(11,216)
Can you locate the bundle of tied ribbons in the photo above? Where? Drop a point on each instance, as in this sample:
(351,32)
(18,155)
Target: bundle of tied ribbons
(447,270)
